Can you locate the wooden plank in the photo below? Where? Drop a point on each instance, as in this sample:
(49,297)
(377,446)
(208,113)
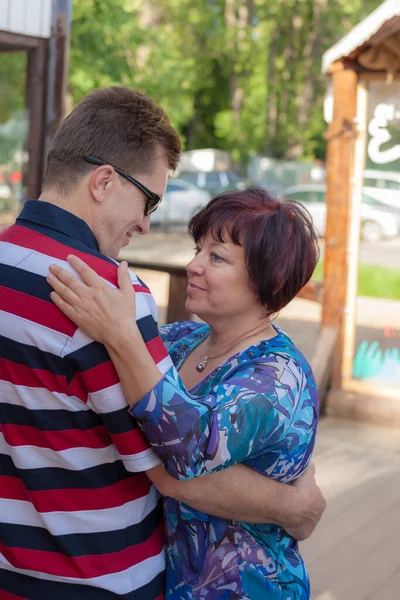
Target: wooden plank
(16,18)
(390,590)
(362,567)
(353,238)
(163,266)
(377,76)
(322,360)
(365,406)
(339,160)
(36,103)
(353,554)
(18,41)
(177,297)
(57,68)
(313,290)
(4,10)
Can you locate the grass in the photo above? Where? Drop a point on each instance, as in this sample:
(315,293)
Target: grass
(373,281)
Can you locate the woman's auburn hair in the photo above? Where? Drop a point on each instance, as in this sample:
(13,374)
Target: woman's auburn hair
(279,240)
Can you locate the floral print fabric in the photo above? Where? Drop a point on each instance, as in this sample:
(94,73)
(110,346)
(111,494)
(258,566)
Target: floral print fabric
(259,408)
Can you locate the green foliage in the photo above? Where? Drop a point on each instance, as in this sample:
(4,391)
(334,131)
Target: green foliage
(373,281)
(12,78)
(13,118)
(241,75)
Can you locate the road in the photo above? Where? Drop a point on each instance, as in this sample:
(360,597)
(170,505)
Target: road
(385,253)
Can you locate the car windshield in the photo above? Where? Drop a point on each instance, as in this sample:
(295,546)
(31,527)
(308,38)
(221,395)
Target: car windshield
(371,201)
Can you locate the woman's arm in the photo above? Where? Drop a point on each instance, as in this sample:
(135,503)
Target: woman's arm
(241,494)
(195,436)
(236,493)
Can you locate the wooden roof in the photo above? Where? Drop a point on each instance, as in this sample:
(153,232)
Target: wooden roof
(373,45)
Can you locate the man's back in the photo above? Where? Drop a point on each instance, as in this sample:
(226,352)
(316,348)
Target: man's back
(78,517)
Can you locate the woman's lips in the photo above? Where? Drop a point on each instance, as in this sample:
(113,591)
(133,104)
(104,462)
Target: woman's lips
(192,287)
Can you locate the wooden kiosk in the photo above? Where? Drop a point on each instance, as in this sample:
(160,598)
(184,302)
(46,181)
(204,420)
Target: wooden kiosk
(41,29)
(364,72)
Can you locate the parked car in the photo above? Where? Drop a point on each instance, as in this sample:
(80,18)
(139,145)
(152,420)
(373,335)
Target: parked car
(383,186)
(181,201)
(215,182)
(377,219)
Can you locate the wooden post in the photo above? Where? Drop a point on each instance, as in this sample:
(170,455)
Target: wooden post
(177,297)
(36,103)
(57,67)
(353,240)
(338,172)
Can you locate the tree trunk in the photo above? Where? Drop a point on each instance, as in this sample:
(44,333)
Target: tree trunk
(270,106)
(311,58)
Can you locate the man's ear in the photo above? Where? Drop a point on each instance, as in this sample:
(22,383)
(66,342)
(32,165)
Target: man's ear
(101,182)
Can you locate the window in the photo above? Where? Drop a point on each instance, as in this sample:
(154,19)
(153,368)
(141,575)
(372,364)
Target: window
(392,185)
(190,177)
(370,182)
(213,178)
(371,201)
(303,197)
(381,183)
(175,187)
(233,177)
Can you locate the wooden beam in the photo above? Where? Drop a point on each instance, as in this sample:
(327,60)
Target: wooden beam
(57,67)
(367,405)
(354,226)
(377,76)
(176,310)
(18,41)
(340,138)
(313,290)
(36,103)
(322,360)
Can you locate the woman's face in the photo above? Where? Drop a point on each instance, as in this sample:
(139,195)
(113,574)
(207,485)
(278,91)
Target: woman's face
(218,282)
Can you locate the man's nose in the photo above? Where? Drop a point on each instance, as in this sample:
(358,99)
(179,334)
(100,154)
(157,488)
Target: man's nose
(144,226)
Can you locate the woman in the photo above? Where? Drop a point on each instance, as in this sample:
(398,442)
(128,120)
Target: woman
(244,392)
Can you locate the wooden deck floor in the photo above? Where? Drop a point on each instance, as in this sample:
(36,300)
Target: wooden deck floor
(355,552)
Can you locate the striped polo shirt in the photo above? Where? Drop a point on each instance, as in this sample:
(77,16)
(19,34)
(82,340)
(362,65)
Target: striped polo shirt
(78,516)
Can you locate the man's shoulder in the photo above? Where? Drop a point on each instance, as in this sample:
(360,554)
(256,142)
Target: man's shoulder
(25,247)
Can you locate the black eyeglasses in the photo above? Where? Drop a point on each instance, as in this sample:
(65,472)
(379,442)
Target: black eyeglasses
(153,200)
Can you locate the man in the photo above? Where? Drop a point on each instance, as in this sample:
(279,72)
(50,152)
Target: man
(79,516)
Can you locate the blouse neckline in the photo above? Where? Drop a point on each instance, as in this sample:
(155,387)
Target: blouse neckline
(203,332)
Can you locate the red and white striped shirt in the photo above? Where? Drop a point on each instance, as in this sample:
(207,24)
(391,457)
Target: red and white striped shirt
(78,516)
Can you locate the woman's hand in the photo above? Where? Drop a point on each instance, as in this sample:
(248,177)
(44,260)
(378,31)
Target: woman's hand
(101,311)
(311,505)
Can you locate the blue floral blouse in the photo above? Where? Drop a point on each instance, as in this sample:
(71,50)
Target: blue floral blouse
(259,408)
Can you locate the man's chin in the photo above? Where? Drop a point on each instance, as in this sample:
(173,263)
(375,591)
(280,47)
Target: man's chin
(113,253)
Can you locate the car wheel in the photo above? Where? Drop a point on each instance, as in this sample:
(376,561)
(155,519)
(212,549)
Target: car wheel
(371,231)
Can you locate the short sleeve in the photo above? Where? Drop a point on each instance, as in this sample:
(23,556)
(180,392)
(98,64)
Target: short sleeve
(265,408)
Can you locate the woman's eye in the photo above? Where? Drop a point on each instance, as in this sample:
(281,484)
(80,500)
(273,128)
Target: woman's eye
(216,257)
(196,250)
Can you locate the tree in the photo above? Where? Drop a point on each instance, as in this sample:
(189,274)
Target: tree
(239,75)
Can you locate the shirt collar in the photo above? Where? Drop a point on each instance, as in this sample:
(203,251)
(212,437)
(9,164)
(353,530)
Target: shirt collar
(57,219)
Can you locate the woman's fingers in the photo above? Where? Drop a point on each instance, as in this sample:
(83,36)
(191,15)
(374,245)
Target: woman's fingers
(66,308)
(66,278)
(87,274)
(65,292)
(124,279)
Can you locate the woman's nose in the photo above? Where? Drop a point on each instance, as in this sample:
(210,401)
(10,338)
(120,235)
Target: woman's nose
(195,266)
